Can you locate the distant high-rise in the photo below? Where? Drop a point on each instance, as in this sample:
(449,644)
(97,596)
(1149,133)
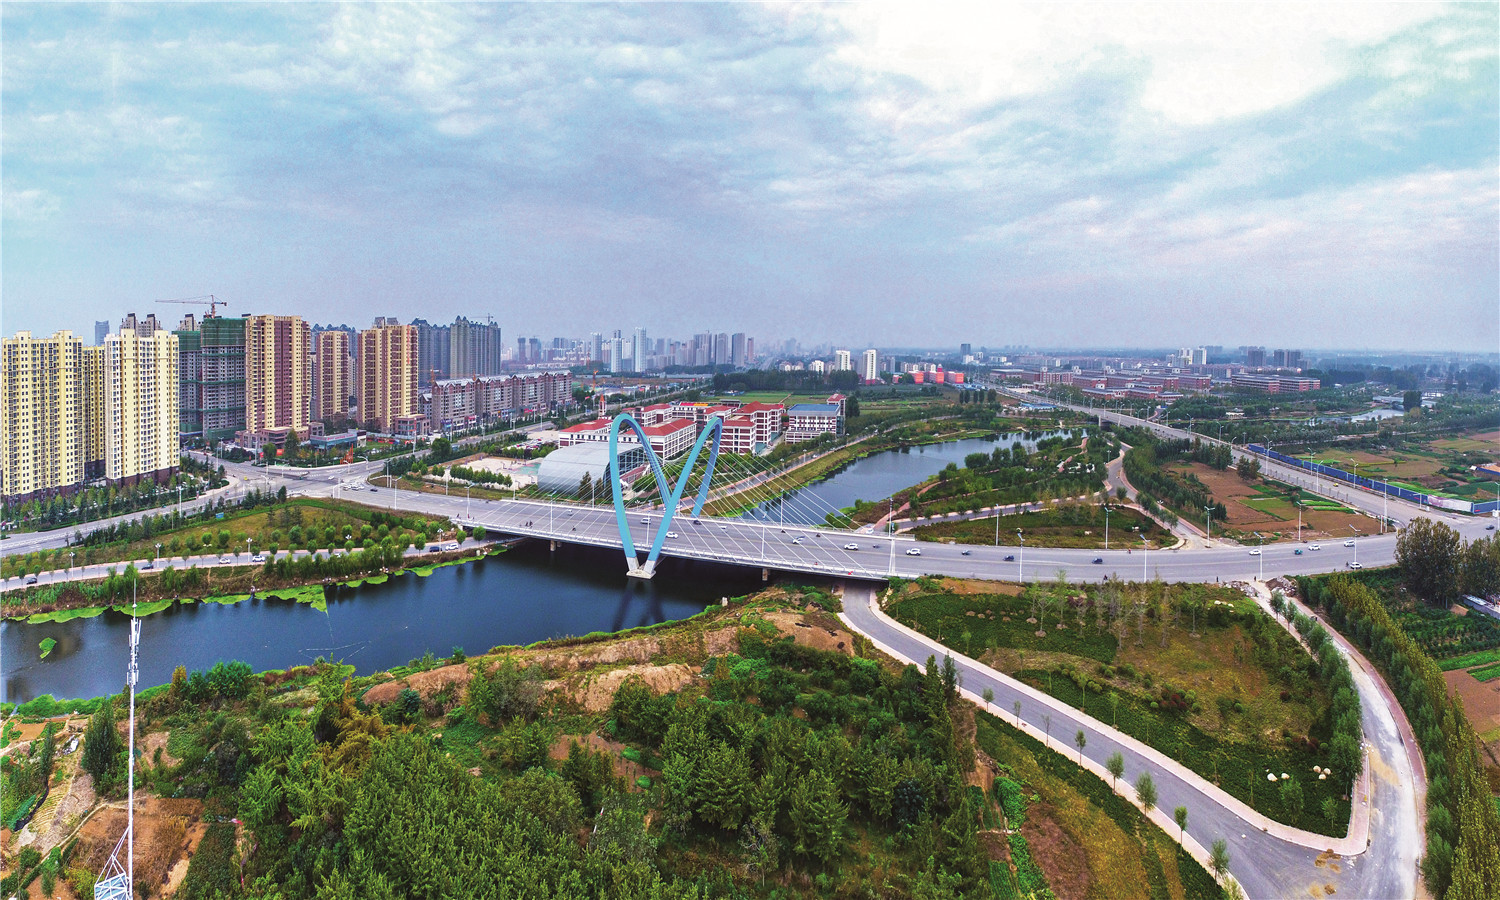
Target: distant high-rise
(189,380)
(476,349)
(141,412)
(101,328)
(842,361)
(870,365)
(737,349)
(749,351)
(278,376)
(51,417)
(332,375)
(642,350)
(965,349)
(1287,359)
(434,351)
(143,327)
(596,347)
(1255,357)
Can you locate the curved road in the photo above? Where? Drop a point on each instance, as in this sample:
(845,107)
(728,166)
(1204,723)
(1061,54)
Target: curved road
(1268,859)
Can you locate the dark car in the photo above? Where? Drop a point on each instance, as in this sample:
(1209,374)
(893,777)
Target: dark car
(1010,558)
(1098,560)
(964,552)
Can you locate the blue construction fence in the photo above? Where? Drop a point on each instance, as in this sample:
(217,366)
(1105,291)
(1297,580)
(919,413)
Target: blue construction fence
(1379,487)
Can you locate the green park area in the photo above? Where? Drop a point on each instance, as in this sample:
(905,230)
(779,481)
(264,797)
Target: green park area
(299,523)
(1067,525)
(1197,671)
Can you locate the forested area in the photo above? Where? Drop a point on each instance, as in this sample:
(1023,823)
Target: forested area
(1144,466)
(1462,857)
(780,771)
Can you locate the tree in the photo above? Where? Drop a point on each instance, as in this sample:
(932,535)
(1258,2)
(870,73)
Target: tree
(1218,857)
(268,450)
(989,697)
(818,816)
(586,484)
(1114,708)
(1080,740)
(1180,814)
(723,782)
(1145,791)
(1116,766)
(1428,553)
(1248,469)
(1017,707)
(442,448)
(101,743)
(1411,400)
(291,445)
(1481,567)
(1291,795)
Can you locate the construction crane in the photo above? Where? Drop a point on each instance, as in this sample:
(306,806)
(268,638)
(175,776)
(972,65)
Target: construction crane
(213,303)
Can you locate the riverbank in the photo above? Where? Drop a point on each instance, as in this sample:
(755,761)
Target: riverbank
(831,463)
(155,592)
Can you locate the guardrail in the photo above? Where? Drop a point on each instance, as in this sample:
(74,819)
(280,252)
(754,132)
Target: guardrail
(1379,487)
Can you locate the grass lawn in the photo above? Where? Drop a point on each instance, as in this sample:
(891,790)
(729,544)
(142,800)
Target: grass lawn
(1072,527)
(1247,703)
(1100,845)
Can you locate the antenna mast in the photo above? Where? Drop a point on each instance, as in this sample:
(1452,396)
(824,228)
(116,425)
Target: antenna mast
(116,881)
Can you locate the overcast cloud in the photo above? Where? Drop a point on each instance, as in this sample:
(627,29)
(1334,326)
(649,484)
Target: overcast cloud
(1300,175)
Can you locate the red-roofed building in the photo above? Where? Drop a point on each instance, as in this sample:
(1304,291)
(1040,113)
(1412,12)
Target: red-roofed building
(739,435)
(837,400)
(668,439)
(767,418)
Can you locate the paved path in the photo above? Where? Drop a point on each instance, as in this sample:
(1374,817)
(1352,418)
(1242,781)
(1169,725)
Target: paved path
(1267,858)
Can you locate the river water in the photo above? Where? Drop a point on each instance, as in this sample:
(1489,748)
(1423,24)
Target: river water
(527,594)
(880,475)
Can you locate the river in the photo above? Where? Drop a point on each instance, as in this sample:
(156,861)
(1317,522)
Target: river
(518,597)
(880,475)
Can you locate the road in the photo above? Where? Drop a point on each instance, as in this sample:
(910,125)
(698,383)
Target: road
(1268,859)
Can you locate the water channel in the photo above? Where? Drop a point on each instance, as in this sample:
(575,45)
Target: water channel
(527,594)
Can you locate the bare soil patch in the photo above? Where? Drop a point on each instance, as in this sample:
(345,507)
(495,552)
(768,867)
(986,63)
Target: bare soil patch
(817,632)
(967,586)
(594,692)
(1227,487)
(168,833)
(1061,857)
(425,683)
(1481,699)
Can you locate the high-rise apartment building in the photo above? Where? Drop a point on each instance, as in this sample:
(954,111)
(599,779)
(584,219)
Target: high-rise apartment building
(332,375)
(141,412)
(386,384)
(1255,357)
(737,349)
(189,380)
(475,348)
(434,351)
(721,349)
(642,350)
(221,372)
(842,361)
(278,375)
(100,330)
(51,415)
(870,366)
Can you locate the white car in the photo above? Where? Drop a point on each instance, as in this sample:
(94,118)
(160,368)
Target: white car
(671,534)
(1255,552)
(258,558)
(851,546)
(914,552)
(1349,543)
(1315,546)
(1355,564)
(796,540)
(225,560)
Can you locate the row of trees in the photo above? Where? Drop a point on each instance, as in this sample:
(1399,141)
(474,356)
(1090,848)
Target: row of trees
(1333,670)
(1143,466)
(1438,565)
(1462,860)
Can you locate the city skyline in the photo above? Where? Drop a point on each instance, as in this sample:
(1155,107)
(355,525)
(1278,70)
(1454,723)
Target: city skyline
(1096,175)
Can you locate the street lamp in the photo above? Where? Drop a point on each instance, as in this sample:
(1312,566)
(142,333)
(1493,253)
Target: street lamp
(1210,511)
(1261,556)
(71,554)
(1106,525)
(158,549)
(1356,542)
(1021,558)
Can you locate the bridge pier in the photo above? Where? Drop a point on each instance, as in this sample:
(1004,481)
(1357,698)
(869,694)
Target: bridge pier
(640,572)
(765,574)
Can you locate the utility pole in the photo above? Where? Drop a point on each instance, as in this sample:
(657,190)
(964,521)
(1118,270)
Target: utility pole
(1210,511)
(1021,557)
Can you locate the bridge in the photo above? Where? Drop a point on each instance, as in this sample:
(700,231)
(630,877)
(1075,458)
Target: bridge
(674,528)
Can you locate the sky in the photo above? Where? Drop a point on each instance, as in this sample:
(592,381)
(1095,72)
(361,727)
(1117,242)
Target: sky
(1056,174)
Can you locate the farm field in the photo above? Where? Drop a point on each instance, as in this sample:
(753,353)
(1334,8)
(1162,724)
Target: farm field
(1264,507)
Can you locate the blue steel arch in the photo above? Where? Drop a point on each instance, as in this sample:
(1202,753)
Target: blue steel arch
(672,494)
